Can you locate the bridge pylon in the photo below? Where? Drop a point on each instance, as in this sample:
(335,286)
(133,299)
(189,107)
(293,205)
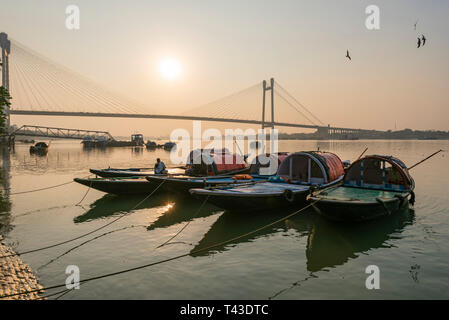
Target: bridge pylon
(5,46)
(265,89)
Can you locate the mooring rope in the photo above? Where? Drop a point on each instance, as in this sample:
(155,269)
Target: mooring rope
(87,241)
(185,226)
(88,189)
(168,259)
(41,189)
(85,234)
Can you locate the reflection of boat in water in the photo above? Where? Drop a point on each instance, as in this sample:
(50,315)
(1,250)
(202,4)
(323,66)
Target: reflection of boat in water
(178,208)
(331,243)
(110,205)
(39,148)
(182,209)
(231,225)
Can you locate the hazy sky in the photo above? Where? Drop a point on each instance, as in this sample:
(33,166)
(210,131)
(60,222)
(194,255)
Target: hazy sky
(225,46)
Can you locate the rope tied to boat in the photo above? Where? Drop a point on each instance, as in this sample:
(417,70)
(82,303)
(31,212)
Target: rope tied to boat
(222,243)
(185,226)
(87,233)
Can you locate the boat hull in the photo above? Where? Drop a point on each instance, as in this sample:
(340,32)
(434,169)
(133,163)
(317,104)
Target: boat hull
(119,186)
(289,196)
(184,184)
(120,173)
(256,203)
(357,211)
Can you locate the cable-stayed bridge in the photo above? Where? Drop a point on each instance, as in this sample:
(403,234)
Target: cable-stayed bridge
(39,86)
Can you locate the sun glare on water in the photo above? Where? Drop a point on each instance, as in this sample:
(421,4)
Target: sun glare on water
(170,68)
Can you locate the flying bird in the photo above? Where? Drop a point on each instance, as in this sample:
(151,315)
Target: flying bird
(415,24)
(347,55)
(423,39)
(419,42)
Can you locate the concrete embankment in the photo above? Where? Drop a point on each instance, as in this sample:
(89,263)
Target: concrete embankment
(16,276)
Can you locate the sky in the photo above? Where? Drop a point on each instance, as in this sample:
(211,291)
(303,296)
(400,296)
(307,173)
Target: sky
(225,46)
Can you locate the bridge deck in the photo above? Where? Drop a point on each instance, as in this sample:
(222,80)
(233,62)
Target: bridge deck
(175,117)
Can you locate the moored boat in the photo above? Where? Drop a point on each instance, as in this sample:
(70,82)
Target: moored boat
(182,184)
(373,186)
(213,162)
(296,176)
(39,148)
(130,172)
(217,168)
(119,186)
(168,146)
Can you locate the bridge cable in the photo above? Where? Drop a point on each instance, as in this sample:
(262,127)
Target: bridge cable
(296,109)
(299,103)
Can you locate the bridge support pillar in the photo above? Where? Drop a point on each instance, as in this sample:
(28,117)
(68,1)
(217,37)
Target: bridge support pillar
(5,45)
(265,89)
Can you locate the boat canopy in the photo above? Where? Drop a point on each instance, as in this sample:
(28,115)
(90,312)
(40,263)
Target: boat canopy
(213,162)
(267,164)
(311,167)
(41,145)
(379,172)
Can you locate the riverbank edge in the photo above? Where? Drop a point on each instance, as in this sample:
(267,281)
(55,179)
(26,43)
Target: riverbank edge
(16,276)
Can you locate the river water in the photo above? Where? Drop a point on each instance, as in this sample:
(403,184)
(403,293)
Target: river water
(305,257)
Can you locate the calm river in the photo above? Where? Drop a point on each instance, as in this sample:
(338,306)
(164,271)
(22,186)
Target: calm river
(306,257)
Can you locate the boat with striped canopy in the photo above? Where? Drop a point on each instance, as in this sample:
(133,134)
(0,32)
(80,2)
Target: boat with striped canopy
(296,176)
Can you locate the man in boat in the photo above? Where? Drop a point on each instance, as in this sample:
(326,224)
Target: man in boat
(159,167)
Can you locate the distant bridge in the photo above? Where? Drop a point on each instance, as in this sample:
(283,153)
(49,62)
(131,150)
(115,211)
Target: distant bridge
(180,117)
(59,133)
(42,87)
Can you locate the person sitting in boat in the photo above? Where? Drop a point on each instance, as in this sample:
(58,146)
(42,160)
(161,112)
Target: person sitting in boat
(159,167)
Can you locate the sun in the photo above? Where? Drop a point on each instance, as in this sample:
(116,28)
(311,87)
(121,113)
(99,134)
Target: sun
(170,68)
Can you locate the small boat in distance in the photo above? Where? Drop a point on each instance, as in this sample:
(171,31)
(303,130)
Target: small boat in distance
(297,175)
(39,148)
(373,186)
(151,145)
(168,146)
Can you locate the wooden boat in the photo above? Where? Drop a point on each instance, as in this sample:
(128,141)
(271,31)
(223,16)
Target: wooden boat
(130,172)
(39,148)
(296,176)
(213,162)
(238,165)
(182,184)
(119,186)
(259,170)
(168,146)
(373,186)
(151,145)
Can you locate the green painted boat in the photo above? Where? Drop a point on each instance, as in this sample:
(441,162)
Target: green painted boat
(373,187)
